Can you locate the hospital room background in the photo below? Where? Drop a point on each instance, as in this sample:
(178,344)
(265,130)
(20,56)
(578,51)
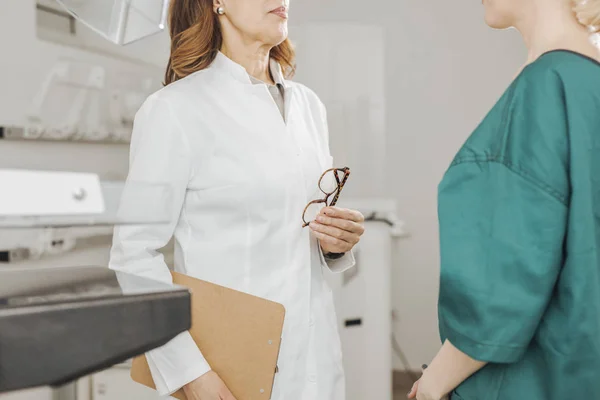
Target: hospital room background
(404,83)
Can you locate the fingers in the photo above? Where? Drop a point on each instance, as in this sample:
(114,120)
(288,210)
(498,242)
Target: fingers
(413,391)
(343,221)
(227,395)
(332,244)
(338,229)
(343,224)
(335,233)
(343,213)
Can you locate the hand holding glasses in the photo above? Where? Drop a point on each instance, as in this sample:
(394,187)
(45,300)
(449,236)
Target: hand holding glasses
(331,184)
(338,230)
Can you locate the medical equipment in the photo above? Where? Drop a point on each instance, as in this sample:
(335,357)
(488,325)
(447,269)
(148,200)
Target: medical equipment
(97,300)
(52,320)
(64,89)
(88,304)
(74,211)
(120,21)
(71,85)
(33,245)
(96,106)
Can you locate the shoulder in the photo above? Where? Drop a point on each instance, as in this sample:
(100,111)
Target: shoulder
(309,102)
(532,111)
(180,92)
(565,63)
(169,109)
(177,101)
(559,73)
(306,94)
(540,80)
(528,129)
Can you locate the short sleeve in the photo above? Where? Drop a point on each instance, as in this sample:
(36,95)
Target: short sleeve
(501,238)
(503,209)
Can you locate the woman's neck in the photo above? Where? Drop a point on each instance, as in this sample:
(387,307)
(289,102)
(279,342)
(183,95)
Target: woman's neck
(553,26)
(252,55)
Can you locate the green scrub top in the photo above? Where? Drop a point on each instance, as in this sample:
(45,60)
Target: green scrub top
(519,212)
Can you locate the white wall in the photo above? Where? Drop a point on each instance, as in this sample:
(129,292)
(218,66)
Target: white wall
(327,61)
(443,70)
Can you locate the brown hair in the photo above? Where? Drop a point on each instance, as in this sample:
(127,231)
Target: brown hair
(196,39)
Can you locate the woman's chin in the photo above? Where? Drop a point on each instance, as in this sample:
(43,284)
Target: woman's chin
(277,36)
(496,23)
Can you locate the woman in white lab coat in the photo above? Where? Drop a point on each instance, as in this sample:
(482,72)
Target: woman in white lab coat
(243,148)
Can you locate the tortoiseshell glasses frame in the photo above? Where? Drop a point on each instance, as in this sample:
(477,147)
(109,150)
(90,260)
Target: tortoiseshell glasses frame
(331,197)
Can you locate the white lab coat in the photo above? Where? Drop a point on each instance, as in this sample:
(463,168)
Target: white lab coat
(241,178)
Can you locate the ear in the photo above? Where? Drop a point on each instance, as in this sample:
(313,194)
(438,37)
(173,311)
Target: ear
(218,4)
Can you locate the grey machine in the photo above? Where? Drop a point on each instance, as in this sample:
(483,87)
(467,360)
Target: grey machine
(60,324)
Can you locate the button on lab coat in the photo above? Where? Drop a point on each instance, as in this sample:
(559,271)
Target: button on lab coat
(241,176)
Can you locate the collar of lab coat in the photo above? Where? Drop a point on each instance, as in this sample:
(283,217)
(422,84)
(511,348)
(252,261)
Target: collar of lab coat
(277,73)
(225,64)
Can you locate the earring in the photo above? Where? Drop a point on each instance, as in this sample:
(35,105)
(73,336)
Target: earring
(220,10)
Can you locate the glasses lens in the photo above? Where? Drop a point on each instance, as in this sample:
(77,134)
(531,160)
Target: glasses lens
(329,184)
(312,211)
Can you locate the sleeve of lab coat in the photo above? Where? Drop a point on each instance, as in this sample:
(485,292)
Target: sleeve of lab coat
(159,154)
(347,261)
(339,265)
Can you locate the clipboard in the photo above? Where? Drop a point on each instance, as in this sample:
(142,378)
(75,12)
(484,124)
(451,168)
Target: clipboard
(238,334)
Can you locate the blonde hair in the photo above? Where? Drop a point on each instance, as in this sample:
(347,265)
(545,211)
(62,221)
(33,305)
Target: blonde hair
(588,13)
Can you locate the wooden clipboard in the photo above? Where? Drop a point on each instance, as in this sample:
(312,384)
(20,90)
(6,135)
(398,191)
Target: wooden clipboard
(238,334)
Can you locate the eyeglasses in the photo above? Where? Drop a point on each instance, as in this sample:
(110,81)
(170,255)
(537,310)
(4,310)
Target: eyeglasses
(331,184)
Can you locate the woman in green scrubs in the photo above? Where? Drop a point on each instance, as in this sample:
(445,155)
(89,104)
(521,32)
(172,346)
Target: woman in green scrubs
(519,211)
